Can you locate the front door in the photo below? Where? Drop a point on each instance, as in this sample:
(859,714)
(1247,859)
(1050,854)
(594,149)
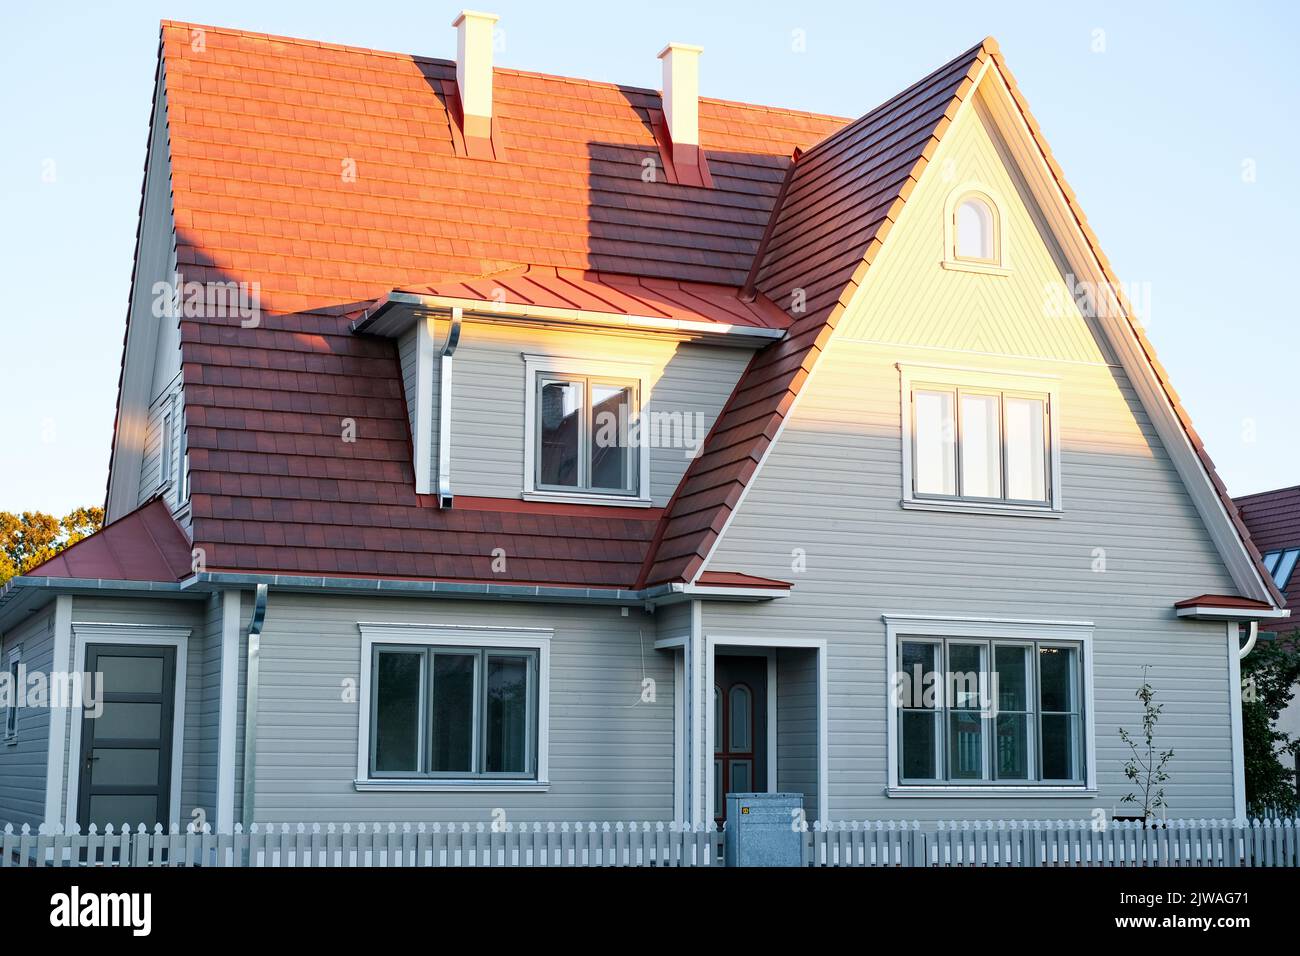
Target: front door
(739,728)
(126,752)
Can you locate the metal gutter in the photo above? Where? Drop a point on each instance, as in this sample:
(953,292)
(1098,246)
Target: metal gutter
(250,701)
(512,312)
(445,496)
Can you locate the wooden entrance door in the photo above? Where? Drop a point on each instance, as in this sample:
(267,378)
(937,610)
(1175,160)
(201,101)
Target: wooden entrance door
(739,728)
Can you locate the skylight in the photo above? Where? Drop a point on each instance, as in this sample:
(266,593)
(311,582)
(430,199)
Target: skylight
(1280,564)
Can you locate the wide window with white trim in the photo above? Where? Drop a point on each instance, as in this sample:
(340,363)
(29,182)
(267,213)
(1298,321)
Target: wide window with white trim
(453,712)
(1002,711)
(979,440)
(583,430)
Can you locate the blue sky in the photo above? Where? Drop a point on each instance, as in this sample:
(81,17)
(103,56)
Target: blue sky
(1175,123)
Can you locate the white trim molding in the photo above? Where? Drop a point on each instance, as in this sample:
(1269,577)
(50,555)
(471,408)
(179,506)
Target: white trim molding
(454,635)
(900,626)
(150,635)
(227,717)
(1235,722)
(764,647)
(638,372)
(999,263)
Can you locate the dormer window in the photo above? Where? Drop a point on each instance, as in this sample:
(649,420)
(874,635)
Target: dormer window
(974,240)
(582,432)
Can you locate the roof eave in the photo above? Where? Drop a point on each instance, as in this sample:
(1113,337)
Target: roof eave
(394,313)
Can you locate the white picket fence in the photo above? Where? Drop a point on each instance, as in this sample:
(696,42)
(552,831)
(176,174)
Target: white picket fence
(872,844)
(366,845)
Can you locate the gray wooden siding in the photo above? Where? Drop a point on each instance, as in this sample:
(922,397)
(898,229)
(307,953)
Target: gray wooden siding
(611,756)
(23,759)
(796,724)
(488,398)
(831,488)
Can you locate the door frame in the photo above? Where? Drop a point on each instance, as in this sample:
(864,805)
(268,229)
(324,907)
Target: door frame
(85,634)
(759,647)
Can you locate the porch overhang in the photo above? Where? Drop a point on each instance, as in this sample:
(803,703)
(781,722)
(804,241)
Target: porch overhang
(1228,607)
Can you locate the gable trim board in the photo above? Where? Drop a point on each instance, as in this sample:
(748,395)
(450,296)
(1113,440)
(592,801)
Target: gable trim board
(130,420)
(1123,334)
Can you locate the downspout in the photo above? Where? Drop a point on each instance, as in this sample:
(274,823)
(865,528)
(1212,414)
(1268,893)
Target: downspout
(1250,643)
(250,702)
(445,496)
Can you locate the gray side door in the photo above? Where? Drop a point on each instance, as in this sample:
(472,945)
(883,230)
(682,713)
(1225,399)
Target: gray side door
(126,752)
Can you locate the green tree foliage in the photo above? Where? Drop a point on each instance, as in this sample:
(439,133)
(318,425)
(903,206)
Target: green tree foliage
(1268,677)
(33,537)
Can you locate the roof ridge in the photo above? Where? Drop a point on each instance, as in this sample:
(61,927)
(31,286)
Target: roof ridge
(515,71)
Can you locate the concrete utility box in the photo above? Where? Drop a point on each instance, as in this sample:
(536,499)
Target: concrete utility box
(762,829)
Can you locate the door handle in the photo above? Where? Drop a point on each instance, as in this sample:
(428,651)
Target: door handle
(90,758)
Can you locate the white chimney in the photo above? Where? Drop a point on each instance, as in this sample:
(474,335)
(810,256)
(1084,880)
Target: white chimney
(682,100)
(474,70)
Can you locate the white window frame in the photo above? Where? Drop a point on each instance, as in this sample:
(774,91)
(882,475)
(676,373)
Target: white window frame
(13,662)
(629,373)
(166,442)
(901,627)
(913,377)
(999,264)
(537,640)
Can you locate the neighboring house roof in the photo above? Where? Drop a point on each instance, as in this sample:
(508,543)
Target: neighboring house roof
(1273,518)
(333,175)
(145,545)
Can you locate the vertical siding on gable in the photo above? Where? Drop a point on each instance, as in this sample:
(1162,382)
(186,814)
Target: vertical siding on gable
(23,759)
(611,755)
(833,481)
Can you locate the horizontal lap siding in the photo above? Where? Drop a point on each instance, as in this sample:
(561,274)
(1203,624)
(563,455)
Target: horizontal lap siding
(610,754)
(831,488)
(23,760)
(489,392)
(796,724)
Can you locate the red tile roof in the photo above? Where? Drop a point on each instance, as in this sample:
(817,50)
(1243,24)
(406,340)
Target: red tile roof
(261,133)
(145,545)
(1224,600)
(842,199)
(596,292)
(1273,518)
(734,579)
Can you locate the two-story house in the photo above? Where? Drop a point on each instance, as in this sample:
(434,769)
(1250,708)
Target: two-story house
(493,442)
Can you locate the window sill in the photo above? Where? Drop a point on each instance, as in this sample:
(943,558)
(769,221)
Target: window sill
(979,507)
(452,786)
(947,791)
(577,498)
(985,268)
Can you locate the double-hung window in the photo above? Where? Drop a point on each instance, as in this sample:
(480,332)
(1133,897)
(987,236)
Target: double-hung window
(583,432)
(973,441)
(988,711)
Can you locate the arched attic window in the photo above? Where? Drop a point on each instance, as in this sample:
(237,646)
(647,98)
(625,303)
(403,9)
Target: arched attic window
(975,230)
(974,233)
